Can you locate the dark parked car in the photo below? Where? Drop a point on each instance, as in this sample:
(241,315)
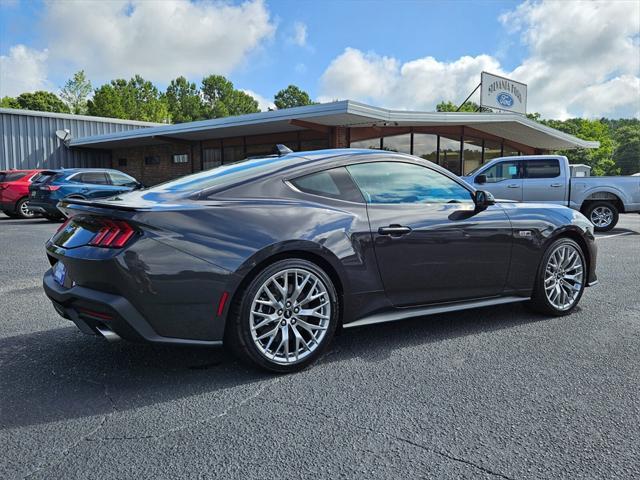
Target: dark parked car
(271,255)
(51,186)
(14,192)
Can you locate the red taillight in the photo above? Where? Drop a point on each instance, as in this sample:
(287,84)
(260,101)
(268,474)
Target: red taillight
(52,188)
(113,234)
(61,227)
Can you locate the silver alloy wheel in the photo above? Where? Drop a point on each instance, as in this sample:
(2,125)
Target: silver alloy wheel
(290,315)
(563,277)
(24,210)
(601,216)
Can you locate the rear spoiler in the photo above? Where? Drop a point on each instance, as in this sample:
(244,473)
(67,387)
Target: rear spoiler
(96,205)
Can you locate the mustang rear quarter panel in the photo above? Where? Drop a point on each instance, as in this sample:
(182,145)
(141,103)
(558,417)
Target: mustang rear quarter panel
(175,292)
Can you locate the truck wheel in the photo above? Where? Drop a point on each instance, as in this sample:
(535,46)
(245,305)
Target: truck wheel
(603,215)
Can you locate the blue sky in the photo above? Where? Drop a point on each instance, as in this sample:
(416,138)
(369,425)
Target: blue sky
(401,54)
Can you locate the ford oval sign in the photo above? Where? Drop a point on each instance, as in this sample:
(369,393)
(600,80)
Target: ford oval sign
(505,99)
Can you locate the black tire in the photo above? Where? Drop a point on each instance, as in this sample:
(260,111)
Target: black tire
(539,300)
(238,331)
(601,206)
(21,211)
(10,214)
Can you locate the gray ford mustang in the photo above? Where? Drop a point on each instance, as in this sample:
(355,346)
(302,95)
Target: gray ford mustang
(272,255)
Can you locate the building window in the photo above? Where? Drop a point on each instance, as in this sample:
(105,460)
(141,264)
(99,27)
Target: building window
(152,160)
(233,154)
(211,158)
(374,143)
(260,150)
(450,154)
(181,158)
(425,146)
(122,162)
(510,151)
(492,150)
(397,143)
(472,154)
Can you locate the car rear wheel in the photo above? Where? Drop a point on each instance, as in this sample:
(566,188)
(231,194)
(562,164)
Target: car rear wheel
(561,278)
(22,209)
(603,215)
(285,318)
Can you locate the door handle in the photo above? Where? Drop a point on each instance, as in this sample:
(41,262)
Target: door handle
(394,230)
(556,185)
(513,185)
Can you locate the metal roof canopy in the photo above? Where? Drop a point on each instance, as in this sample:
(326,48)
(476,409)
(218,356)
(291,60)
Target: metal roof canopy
(347,113)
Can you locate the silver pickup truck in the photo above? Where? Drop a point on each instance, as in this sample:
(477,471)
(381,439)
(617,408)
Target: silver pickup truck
(547,179)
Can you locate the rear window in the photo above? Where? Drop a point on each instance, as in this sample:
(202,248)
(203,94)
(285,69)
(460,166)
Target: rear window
(334,183)
(45,177)
(225,175)
(12,176)
(542,168)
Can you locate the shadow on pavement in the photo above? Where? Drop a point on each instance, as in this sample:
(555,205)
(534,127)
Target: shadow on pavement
(61,374)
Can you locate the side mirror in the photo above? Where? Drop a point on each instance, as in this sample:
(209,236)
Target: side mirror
(483,199)
(481,179)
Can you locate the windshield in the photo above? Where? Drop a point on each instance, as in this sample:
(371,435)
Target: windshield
(472,172)
(224,175)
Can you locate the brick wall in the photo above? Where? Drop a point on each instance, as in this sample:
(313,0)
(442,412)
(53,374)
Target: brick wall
(165,169)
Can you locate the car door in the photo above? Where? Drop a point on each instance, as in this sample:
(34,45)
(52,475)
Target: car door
(94,184)
(431,243)
(543,182)
(503,180)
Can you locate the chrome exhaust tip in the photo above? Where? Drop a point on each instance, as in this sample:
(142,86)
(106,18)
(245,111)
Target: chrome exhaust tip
(107,333)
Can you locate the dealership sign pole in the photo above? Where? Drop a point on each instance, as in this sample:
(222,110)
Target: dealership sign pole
(502,94)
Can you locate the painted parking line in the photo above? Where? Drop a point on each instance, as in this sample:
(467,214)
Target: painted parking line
(614,235)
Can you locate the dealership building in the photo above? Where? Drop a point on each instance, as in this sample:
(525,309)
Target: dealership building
(153,153)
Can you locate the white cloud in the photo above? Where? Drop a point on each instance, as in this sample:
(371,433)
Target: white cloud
(418,84)
(263,103)
(158,40)
(23,70)
(583,60)
(299,36)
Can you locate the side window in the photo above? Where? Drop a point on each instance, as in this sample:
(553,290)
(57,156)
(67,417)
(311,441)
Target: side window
(334,183)
(122,180)
(502,171)
(398,182)
(98,178)
(542,168)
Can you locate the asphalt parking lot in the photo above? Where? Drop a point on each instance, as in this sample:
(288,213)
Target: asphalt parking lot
(492,393)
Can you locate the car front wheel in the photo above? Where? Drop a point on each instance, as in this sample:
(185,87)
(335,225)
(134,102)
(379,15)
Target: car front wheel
(561,278)
(286,316)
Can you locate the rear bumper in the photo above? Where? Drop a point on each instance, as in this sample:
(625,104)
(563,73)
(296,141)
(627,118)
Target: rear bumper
(7,206)
(93,312)
(45,208)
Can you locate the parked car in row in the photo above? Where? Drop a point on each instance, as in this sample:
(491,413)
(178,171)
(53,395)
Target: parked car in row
(51,186)
(547,179)
(272,255)
(14,192)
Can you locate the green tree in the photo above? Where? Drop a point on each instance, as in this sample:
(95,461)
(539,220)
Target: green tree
(452,107)
(136,99)
(9,102)
(75,92)
(600,159)
(627,151)
(292,96)
(221,99)
(40,100)
(184,101)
